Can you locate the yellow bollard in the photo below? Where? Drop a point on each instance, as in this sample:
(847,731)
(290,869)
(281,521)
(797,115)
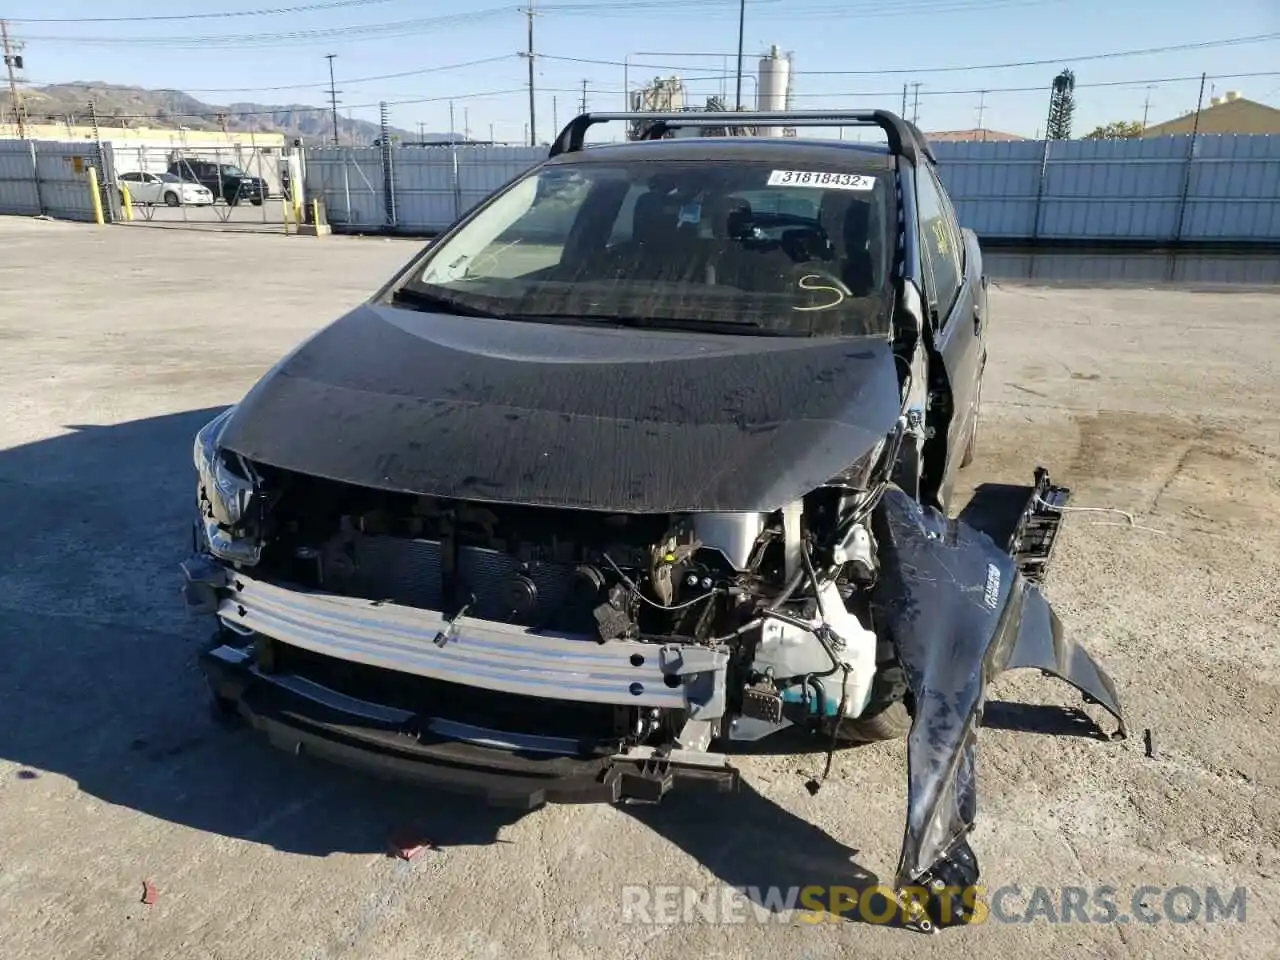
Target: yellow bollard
(127,201)
(96,197)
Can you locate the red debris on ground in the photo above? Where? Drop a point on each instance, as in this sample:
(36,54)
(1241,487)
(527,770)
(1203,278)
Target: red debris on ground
(149,893)
(406,843)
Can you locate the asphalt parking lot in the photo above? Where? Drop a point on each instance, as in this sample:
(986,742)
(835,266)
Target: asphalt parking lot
(117,344)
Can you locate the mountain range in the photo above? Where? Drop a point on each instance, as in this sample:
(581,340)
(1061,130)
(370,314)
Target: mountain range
(118,105)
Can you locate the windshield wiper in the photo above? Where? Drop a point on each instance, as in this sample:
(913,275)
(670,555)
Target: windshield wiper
(653,323)
(432,301)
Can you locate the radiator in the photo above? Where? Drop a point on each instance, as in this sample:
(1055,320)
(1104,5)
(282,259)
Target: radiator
(410,572)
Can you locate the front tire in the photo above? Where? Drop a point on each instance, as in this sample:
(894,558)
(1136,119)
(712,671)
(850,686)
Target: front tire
(171,200)
(891,723)
(887,716)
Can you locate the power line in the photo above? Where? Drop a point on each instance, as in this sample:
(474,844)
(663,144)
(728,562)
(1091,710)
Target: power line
(533,126)
(1115,54)
(419,25)
(567,8)
(260,12)
(213,114)
(13,63)
(1041,88)
(849,94)
(333,97)
(259,38)
(353,80)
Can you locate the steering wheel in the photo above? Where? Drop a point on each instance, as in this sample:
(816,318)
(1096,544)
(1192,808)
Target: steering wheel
(831,290)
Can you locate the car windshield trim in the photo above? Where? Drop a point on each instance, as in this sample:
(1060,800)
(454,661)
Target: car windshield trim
(441,303)
(804,248)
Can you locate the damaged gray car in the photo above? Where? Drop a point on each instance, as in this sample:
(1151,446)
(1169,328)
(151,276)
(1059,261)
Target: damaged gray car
(648,455)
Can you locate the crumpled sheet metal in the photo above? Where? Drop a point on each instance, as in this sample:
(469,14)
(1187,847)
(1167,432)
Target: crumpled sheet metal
(960,614)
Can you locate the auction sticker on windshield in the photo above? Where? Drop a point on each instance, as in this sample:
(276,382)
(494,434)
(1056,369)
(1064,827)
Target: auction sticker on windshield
(816,178)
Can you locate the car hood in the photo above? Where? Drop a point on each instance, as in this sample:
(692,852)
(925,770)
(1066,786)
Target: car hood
(568,416)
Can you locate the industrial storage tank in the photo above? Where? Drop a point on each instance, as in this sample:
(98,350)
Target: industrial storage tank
(773,87)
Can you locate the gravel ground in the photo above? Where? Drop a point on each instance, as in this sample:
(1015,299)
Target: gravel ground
(1161,402)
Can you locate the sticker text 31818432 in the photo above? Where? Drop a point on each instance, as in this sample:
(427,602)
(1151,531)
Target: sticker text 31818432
(816,178)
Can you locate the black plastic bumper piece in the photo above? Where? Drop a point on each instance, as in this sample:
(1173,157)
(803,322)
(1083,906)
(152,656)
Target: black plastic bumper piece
(1033,539)
(402,751)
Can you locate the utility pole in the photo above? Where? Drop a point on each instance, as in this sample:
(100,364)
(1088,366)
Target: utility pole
(982,107)
(466,124)
(904,100)
(1191,155)
(584,97)
(915,109)
(742,22)
(451,137)
(555,113)
(1146,107)
(13,62)
(533,123)
(333,97)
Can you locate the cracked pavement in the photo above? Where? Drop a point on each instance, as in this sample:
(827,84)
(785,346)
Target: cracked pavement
(118,343)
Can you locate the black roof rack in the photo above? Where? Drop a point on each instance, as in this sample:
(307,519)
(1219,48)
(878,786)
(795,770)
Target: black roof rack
(904,138)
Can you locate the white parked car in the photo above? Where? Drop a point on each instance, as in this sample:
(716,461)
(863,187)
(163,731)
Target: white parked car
(166,188)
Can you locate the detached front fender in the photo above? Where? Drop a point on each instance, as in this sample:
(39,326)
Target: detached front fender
(959,613)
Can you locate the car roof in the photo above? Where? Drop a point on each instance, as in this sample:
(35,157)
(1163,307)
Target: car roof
(780,150)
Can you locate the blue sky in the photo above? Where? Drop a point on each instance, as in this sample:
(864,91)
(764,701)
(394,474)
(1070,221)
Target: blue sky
(211,55)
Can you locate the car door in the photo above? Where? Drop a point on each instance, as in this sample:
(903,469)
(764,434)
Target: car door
(150,188)
(131,182)
(956,323)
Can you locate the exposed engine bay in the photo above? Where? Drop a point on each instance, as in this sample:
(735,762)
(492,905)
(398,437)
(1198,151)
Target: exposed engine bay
(786,593)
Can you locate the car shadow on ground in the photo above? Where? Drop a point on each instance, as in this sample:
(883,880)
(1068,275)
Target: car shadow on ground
(101,685)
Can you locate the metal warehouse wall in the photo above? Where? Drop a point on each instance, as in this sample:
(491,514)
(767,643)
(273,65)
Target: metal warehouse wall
(1219,188)
(1225,188)
(430,186)
(1222,188)
(49,178)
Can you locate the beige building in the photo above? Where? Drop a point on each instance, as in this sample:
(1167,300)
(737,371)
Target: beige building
(1230,113)
(148,136)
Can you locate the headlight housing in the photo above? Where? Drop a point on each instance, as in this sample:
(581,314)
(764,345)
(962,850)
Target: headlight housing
(226,484)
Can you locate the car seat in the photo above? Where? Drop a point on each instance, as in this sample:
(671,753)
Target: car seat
(847,220)
(661,248)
